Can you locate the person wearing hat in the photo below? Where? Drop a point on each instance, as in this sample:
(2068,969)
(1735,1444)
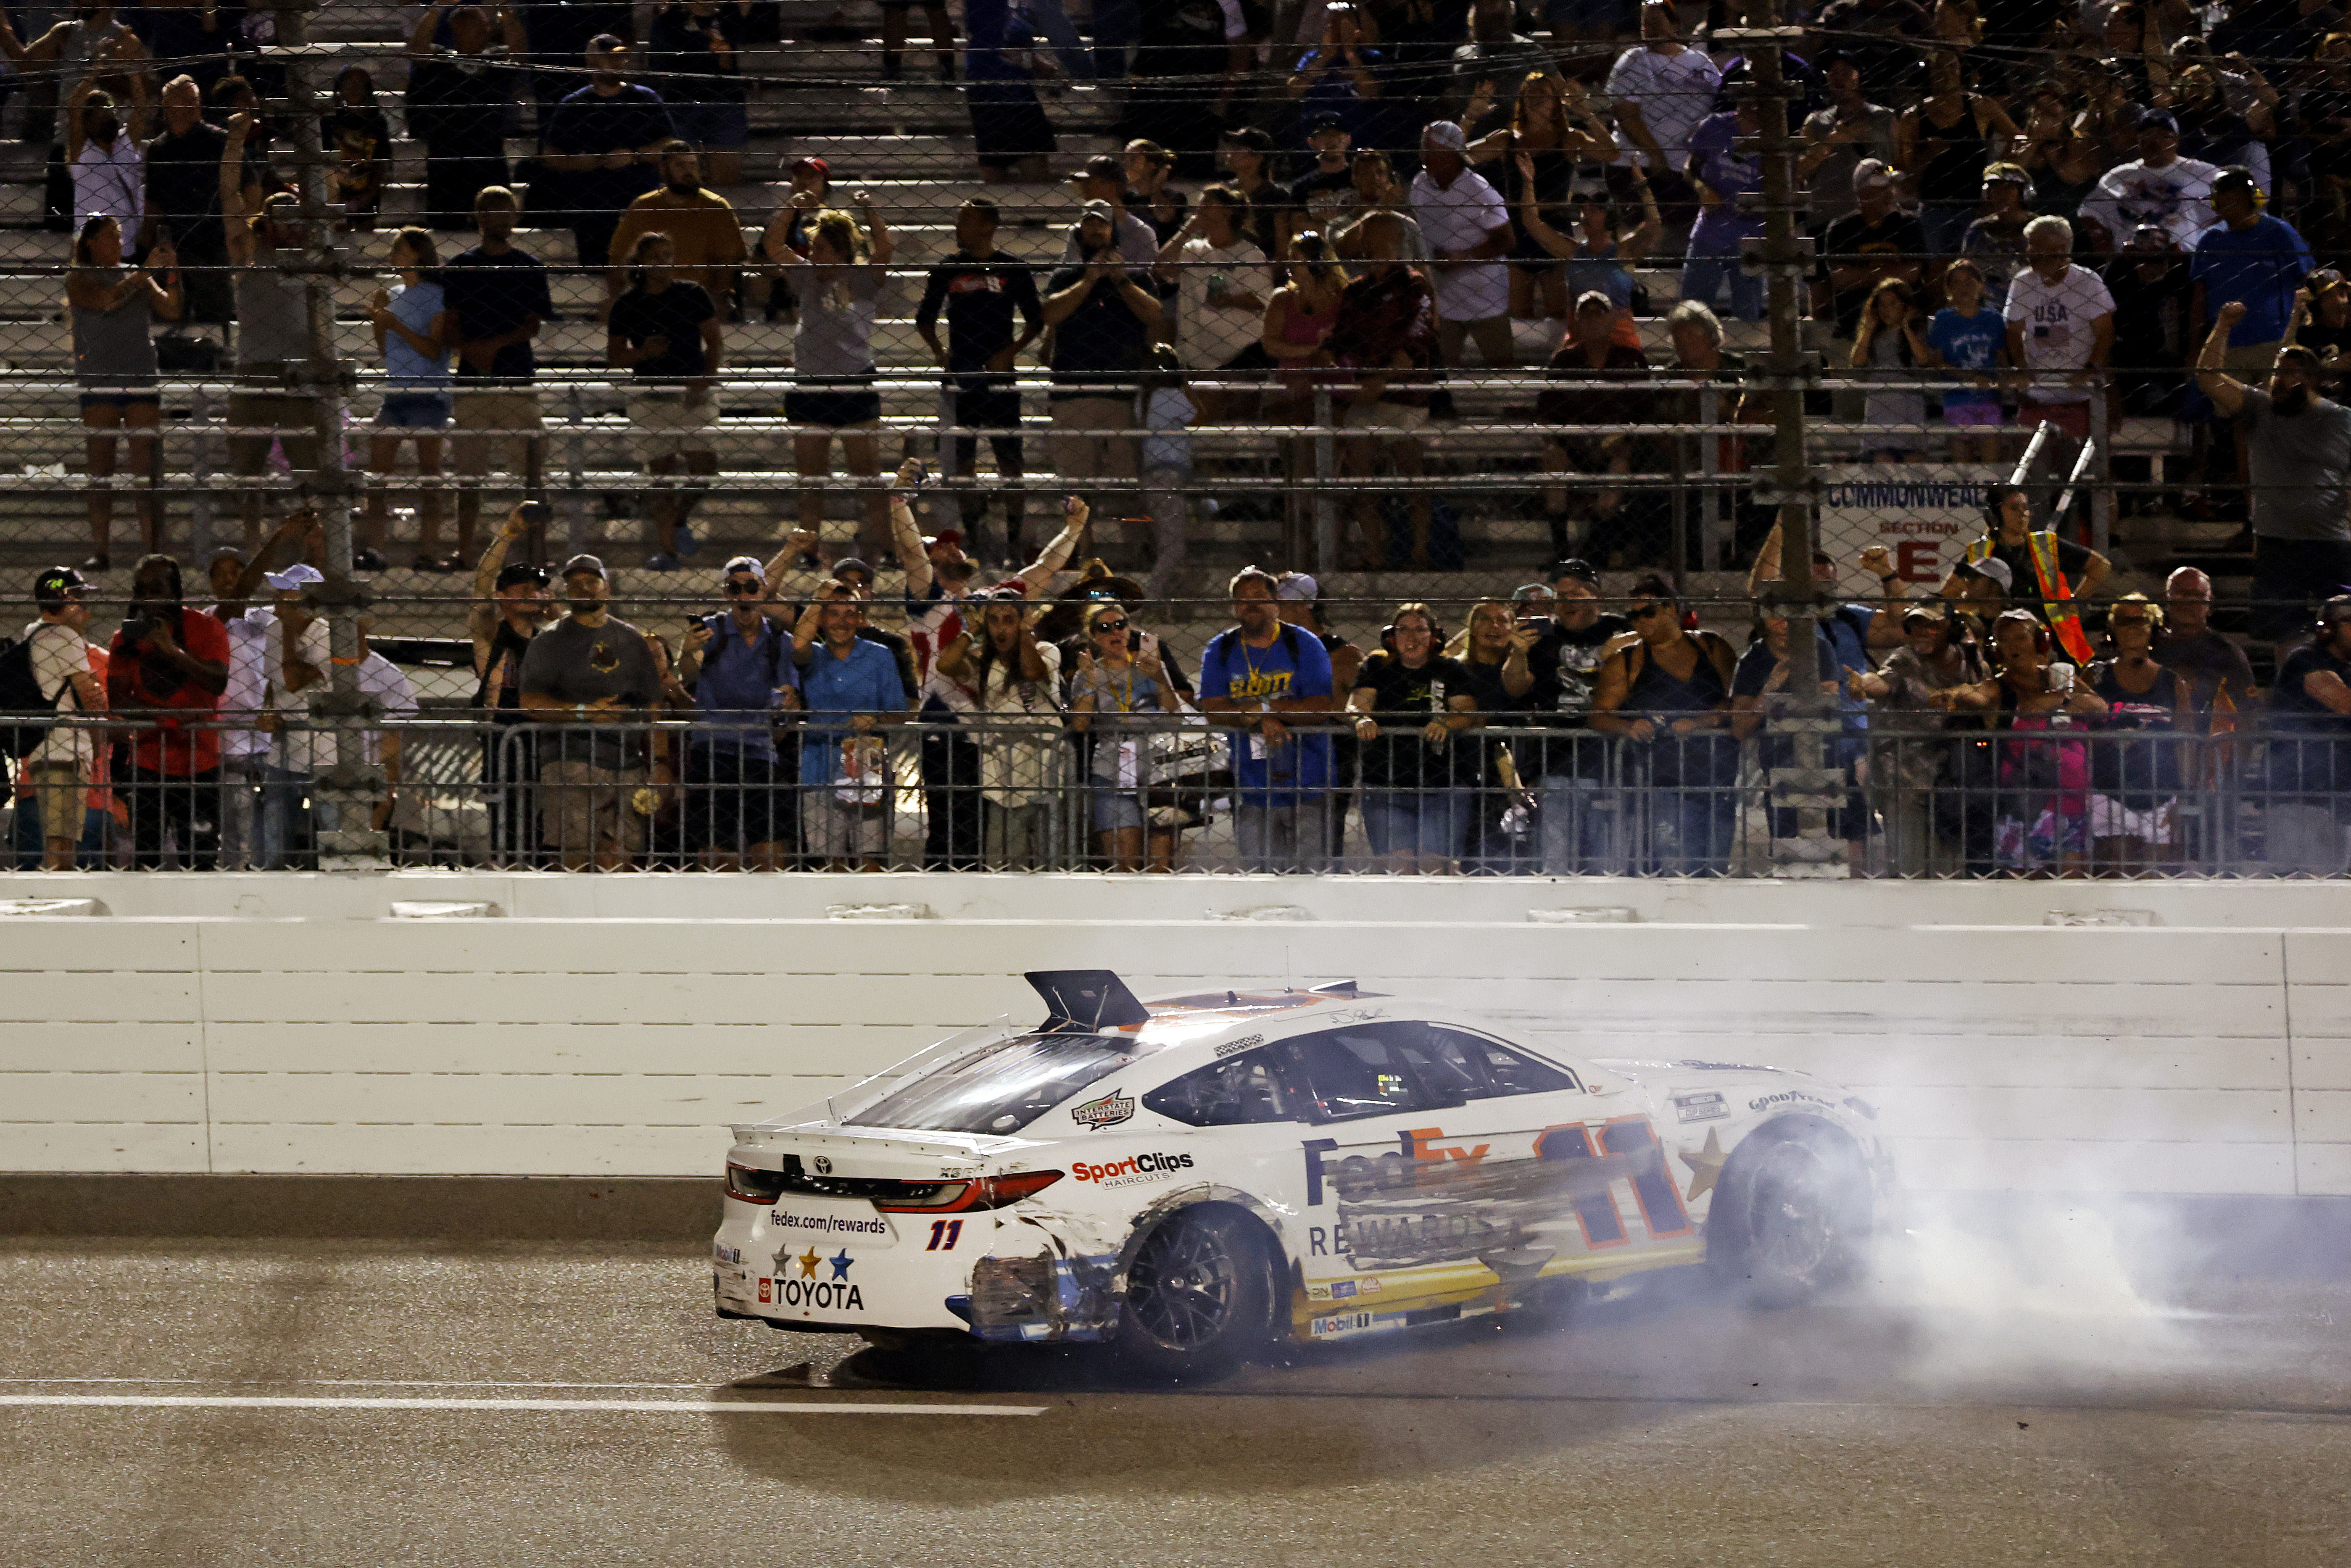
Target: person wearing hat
(2254,257)
(1874,242)
(1102,184)
(1468,227)
(1909,732)
(2322,322)
(594,675)
(1995,241)
(511,603)
(57,770)
(1325,197)
(787,235)
(2310,759)
(1104,316)
(737,663)
(2159,186)
(295,661)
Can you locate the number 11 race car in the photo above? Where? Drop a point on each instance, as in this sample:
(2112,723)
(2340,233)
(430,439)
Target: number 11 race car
(1190,1178)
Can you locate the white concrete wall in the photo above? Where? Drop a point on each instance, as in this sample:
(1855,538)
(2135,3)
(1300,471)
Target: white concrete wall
(615,1026)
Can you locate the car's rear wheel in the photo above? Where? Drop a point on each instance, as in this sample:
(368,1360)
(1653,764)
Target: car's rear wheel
(1200,1294)
(1791,1217)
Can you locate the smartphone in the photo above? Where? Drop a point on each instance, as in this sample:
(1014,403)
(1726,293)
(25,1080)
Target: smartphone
(1070,505)
(538,513)
(1147,641)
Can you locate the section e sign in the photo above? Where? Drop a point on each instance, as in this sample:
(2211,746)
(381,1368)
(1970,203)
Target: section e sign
(1923,513)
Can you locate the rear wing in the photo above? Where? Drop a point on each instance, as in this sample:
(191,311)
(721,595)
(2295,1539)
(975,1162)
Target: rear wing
(1088,999)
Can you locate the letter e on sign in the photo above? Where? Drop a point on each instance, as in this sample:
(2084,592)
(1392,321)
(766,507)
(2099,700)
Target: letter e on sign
(1919,560)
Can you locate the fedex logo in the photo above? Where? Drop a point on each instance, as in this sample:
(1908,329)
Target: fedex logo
(1420,1160)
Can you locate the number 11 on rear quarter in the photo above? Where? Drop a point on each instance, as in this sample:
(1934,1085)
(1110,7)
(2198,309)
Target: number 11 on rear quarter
(944,1234)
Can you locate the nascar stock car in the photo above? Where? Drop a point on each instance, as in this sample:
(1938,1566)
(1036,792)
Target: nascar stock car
(1194,1177)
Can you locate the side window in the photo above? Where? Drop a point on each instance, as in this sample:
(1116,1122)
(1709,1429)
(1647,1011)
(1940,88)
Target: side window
(1225,1094)
(1496,1069)
(1362,1072)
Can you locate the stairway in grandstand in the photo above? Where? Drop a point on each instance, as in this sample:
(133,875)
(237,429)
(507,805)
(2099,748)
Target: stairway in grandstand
(909,144)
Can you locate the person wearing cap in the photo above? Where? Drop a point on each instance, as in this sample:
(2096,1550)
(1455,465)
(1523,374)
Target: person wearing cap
(2159,186)
(2254,257)
(1721,174)
(1995,241)
(839,285)
(1874,242)
(993,314)
(737,663)
(1840,134)
(1598,384)
(166,670)
(456,104)
(703,227)
(593,676)
(2297,449)
(498,299)
(2029,567)
(1337,82)
(1264,678)
(510,604)
(2061,330)
(1946,139)
(1100,188)
(787,235)
(295,661)
(1325,197)
(2310,757)
(1298,599)
(249,836)
(1468,227)
(1909,729)
(1104,316)
(605,139)
(1570,764)
(57,770)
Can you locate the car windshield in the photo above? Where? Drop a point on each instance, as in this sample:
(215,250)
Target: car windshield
(1001,1087)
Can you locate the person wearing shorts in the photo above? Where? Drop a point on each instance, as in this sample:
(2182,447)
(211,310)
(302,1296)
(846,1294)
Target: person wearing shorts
(666,333)
(113,308)
(839,285)
(497,298)
(411,332)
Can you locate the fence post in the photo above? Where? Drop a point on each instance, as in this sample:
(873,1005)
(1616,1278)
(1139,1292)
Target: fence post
(1326,502)
(575,511)
(200,470)
(2102,474)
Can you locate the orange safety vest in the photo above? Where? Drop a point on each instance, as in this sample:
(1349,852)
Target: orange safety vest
(2056,598)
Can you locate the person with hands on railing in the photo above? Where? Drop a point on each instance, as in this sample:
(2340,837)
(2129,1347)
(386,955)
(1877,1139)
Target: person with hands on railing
(112,306)
(2134,809)
(2039,788)
(1909,732)
(2298,463)
(510,604)
(1268,677)
(666,333)
(2310,759)
(1669,693)
(1494,649)
(595,675)
(1013,679)
(738,665)
(1768,674)
(1417,778)
(851,690)
(1119,673)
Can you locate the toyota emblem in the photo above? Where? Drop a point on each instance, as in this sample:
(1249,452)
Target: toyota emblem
(823,1164)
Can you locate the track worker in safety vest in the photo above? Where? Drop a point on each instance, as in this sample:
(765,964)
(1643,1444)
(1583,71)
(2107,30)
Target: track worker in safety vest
(2060,573)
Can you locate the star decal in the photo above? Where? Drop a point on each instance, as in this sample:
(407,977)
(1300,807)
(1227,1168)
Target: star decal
(807,1262)
(1706,1166)
(840,1263)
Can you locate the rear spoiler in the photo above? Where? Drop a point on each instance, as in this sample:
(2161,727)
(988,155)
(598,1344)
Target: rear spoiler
(1086,1000)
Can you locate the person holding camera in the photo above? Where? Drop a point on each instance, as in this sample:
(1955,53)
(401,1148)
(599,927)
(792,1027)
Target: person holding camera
(167,667)
(1120,673)
(738,662)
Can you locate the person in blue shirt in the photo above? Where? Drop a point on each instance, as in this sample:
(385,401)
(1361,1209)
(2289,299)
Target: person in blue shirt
(1274,677)
(1969,341)
(2252,256)
(1722,174)
(844,772)
(738,664)
(413,334)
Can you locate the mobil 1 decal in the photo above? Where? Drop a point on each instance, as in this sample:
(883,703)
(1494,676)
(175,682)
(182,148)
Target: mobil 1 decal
(1434,1200)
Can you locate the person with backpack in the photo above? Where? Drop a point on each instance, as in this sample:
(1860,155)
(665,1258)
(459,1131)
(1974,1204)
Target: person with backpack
(737,663)
(49,668)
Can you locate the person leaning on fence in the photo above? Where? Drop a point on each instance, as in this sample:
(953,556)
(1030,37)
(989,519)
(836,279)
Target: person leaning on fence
(2220,677)
(2310,752)
(113,308)
(1667,695)
(511,604)
(850,690)
(1493,650)
(61,768)
(274,351)
(1909,746)
(1409,704)
(2135,783)
(2298,462)
(1120,680)
(737,663)
(666,334)
(1298,599)
(1013,680)
(165,672)
(2030,806)
(1578,815)
(593,675)
(253,817)
(2036,567)
(1268,678)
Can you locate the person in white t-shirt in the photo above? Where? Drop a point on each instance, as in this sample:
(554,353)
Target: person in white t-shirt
(58,769)
(2159,188)
(2061,328)
(1659,90)
(1468,227)
(294,665)
(1222,282)
(380,678)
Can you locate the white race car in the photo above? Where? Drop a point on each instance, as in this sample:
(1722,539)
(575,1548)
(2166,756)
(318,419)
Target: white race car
(1191,1177)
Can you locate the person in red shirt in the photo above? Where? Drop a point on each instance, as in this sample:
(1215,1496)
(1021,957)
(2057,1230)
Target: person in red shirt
(167,667)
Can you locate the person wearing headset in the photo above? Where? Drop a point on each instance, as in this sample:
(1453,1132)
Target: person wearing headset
(2043,567)
(2040,808)
(2310,757)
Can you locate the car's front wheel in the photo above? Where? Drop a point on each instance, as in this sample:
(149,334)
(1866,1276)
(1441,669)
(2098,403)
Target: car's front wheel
(1200,1294)
(1791,1217)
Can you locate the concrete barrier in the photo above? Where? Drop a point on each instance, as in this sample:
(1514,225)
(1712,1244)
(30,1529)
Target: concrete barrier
(2175,1037)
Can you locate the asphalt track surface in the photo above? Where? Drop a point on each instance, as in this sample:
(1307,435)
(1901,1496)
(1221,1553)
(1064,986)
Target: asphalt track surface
(317,1403)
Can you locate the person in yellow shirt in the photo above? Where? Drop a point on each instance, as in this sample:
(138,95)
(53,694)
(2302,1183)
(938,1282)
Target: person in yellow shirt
(702,225)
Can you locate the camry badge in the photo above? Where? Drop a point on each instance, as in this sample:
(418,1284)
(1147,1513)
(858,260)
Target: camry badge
(823,1164)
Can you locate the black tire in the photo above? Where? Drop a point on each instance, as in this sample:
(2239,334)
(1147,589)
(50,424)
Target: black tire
(1200,1295)
(1792,1215)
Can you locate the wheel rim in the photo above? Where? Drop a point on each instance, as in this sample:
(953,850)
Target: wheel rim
(1792,1222)
(1183,1285)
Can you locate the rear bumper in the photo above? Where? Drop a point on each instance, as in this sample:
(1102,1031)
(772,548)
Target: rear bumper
(760,1270)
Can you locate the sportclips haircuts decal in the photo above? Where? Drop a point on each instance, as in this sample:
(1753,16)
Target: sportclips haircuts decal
(1133,1171)
(1432,1202)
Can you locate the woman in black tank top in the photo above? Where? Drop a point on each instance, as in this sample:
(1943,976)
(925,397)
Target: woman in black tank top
(2136,783)
(1667,697)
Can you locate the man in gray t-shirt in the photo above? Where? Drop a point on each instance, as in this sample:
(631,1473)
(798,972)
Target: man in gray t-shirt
(2297,448)
(598,674)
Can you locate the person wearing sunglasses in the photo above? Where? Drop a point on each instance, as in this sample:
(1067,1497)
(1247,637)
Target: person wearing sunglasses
(1666,695)
(2135,784)
(737,663)
(1119,682)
